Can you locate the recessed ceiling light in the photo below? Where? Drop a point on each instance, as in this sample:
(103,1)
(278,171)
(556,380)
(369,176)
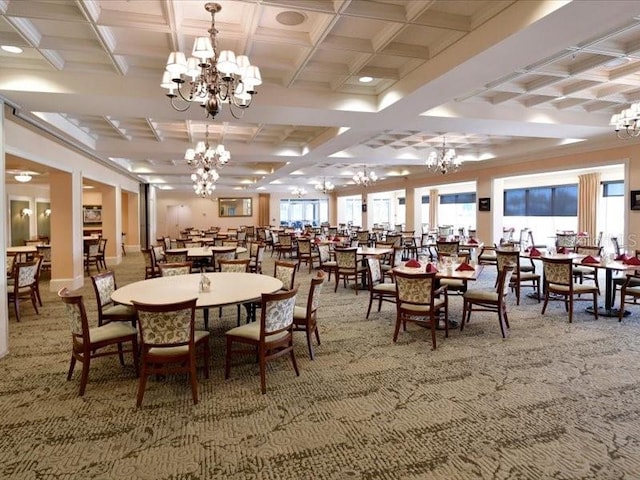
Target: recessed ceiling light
(365,79)
(11,48)
(616,62)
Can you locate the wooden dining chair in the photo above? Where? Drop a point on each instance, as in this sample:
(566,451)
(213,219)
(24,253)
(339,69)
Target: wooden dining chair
(305,319)
(256,256)
(559,285)
(286,273)
(629,293)
(489,300)
(23,285)
(519,279)
(225,253)
(150,267)
(104,284)
(419,301)
(270,338)
(169,343)
(175,268)
(348,267)
(584,272)
(378,289)
(307,253)
(89,343)
(176,256)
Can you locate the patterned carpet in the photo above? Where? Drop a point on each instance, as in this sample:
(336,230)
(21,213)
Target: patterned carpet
(553,401)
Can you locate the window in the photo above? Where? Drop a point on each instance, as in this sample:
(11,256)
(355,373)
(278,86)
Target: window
(458,209)
(350,210)
(297,213)
(552,201)
(613,189)
(425,199)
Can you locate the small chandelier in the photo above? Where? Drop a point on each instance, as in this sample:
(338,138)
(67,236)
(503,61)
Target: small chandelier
(203,156)
(325,187)
(298,192)
(23,177)
(216,77)
(204,181)
(365,178)
(444,161)
(626,122)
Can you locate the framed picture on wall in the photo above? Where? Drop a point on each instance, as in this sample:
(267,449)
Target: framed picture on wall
(635,199)
(92,214)
(484,204)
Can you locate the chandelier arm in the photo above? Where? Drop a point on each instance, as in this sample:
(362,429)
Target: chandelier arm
(178,108)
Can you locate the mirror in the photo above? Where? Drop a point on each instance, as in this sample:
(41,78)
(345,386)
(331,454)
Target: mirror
(234,207)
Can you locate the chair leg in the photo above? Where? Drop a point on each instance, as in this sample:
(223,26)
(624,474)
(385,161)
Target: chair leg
(120,354)
(309,344)
(501,319)
(466,307)
(227,359)
(595,305)
(84,378)
(135,353)
(397,329)
(293,359)
(193,379)
(434,320)
(16,307)
(71,367)
(142,384)
(370,302)
(546,301)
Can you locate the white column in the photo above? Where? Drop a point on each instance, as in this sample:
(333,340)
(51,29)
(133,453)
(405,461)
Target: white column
(4,314)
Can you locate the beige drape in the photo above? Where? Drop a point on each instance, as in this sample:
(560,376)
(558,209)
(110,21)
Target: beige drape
(588,193)
(434,201)
(263,209)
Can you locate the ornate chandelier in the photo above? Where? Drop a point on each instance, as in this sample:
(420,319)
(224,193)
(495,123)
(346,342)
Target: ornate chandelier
(216,77)
(365,178)
(298,192)
(444,161)
(203,156)
(204,182)
(626,122)
(325,187)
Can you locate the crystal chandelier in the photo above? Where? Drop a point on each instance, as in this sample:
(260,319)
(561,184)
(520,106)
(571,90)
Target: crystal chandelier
(203,156)
(215,77)
(325,187)
(298,192)
(365,178)
(626,122)
(444,161)
(204,182)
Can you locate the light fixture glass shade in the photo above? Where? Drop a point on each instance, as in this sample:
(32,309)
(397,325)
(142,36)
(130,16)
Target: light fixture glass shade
(227,63)
(23,177)
(177,63)
(25,212)
(443,161)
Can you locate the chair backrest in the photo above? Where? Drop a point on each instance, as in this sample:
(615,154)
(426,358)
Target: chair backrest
(11,263)
(167,243)
(363,236)
(158,254)
(77,315)
(45,252)
(230,243)
(593,250)
(506,258)
(374,271)
(192,244)
(414,288)
(566,240)
(102,245)
(324,252)
(286,273)
(104,284)
(175,268)
(616,246)
(229,253)
(26,273)
(238,265)
(447,247)
(147,255)
(395,239)
(284,239)
(313,299)
(93,248)
(558,270)
(277,312)
(504,279)
(176,256)
(304,246)
(445,230)
(166,325)
(346,258)
(396,259)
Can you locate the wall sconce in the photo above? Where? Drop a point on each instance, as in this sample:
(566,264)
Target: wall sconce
(25,212)
(47,212)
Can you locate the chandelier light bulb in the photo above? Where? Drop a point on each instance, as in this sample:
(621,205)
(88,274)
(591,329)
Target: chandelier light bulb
(626,123)
(365,178)
(215,77)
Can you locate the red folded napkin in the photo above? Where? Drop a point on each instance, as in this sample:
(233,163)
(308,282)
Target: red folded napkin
(431,268)
(473,241)
(412,264)
(632,261)
(464,267)
(561,250)
(622,257)
(317,240)
(534,252)
(590,259)
(442,239)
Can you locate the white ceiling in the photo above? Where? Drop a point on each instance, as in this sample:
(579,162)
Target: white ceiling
(502,81)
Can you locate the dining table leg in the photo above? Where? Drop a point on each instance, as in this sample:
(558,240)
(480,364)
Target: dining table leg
(608,310)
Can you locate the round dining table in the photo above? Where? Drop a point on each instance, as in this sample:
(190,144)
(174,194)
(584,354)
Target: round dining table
(199,252)
(226,288)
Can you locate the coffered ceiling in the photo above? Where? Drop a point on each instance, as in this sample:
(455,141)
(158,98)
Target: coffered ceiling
(500,81)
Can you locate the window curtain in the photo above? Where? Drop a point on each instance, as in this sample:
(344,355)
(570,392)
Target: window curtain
(588,194)
(434,202)
(263,209)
